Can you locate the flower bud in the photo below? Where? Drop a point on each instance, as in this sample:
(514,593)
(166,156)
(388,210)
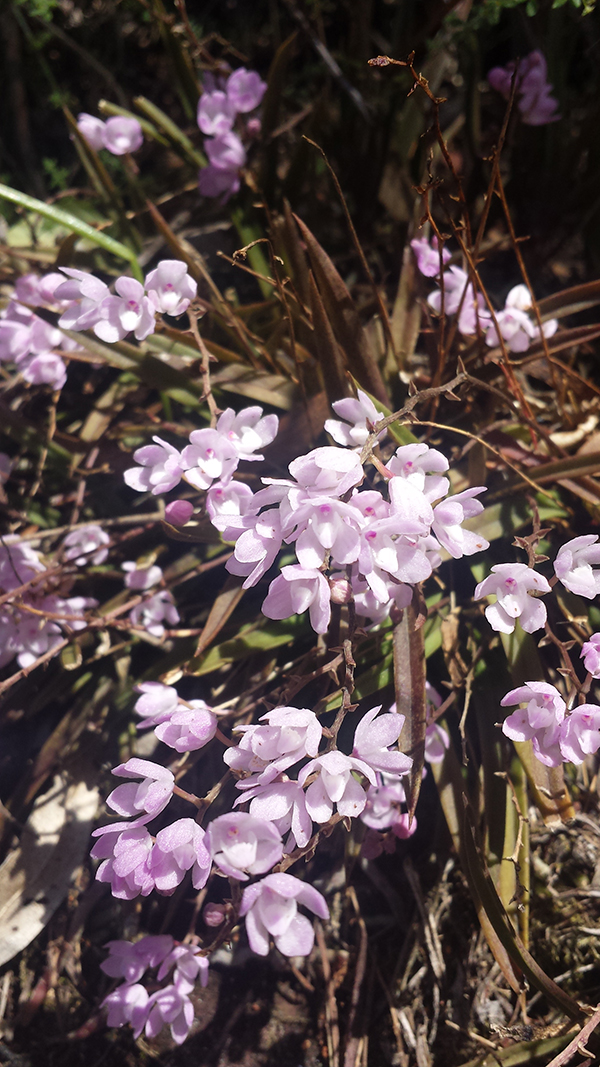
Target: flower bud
(341,590)
(214,914)
(178,512)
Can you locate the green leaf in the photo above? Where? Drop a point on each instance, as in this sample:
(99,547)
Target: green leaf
(71,222)
(248,643)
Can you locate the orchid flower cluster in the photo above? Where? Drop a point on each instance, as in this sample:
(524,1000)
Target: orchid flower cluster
(27,340)
(33,624)
(35,619)
(85,302)
(558,735)
(118,134)
(282,811)
(220,104)
(456,295)
(352,542)
(536,105)
(88,544)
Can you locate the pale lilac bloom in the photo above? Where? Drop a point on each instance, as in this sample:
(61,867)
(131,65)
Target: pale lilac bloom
(296,590)
(459,295)
(422,467)
(448,517)
(373,737)
(19,563)
(248,430)
(209,457)
(327,471)
(383,559)
(539,722)
(371,607)
(230,508)
(27,289)
(575,563)
(170,288)
(153,612)
(126,855)
(590,654)
(245,89)
(141,577)
(253,127)
(129,960)
(92,129)
(456,283)
(428,255)
(179,848)
(43,338)
(511,583)
(129,312)
(127,1004)
(288,736)
(36,290)
(15,331)
(580,733)
(225,152)
(179,512)
(33,635)
(86,545)
(43,368)
(335,784)
(188,966)
(215,181)
(156,704)
(216,113)
(121,135)
(358,414)
(150,796)
(241,845)
(383,810)
(162,468)
(86,295)
(188,728)
(257,549)
(271,908)
(516,326)
(437,740)
(283,803)
(536,105)
(325,527)
(170,1006)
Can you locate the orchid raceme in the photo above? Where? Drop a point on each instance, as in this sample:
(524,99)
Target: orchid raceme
(362,534)
(515,325)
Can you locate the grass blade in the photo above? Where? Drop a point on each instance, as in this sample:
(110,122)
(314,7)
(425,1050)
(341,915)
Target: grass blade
(71,222)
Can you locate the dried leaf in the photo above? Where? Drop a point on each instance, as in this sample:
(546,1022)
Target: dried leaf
(266,388)
(328,353)
(448,779)
(343,316)
(569,301)
(35,877)
(510,940)
(406,316)
(223,607)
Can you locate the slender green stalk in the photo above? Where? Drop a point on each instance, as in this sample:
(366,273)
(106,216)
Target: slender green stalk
(71,222)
